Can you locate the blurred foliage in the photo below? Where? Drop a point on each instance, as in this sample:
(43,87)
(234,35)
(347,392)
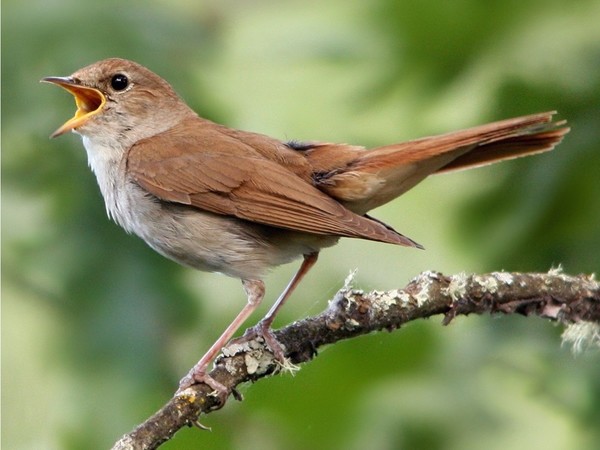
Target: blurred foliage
(97,329)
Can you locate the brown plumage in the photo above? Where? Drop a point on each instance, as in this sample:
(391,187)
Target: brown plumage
(232,178)
(226,200)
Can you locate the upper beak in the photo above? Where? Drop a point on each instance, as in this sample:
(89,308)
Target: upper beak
(89,101)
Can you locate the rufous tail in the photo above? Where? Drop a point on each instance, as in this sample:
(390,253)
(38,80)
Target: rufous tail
(364,179)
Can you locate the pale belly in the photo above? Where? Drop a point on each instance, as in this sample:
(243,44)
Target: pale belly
(192,237)
(215,243)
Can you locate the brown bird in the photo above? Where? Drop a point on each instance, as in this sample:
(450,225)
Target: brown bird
(224,200)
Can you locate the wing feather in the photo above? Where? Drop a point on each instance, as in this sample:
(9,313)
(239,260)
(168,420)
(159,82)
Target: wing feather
(230,178)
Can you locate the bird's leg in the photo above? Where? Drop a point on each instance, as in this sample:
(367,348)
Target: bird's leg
(263,328)
(255,290)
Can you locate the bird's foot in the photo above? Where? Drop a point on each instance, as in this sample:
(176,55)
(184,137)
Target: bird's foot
(196,375)
(263,331)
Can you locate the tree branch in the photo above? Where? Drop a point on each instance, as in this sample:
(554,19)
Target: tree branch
(554,296)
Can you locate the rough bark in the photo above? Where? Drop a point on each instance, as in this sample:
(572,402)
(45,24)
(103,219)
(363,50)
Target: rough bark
(574,301)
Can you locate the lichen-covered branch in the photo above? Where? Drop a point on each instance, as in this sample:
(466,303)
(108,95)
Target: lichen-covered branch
(570,300)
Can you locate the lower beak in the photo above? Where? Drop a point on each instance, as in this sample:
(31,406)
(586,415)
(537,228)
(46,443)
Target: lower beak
(89,101)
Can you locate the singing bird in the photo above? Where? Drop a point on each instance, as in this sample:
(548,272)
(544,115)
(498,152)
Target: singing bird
(223,200)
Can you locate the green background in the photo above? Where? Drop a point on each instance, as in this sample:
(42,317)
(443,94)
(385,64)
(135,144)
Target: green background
(97,329)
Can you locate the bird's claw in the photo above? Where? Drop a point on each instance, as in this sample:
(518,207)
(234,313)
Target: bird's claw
(198,375)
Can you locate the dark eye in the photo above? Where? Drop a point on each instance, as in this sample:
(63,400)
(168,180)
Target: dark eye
(119,82)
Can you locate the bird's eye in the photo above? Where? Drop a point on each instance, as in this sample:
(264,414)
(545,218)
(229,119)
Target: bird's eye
(119,82)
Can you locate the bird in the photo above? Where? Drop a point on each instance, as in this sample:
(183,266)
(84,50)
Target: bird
(219,199)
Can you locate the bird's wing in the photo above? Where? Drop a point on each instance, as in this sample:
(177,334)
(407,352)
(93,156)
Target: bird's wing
(215,172)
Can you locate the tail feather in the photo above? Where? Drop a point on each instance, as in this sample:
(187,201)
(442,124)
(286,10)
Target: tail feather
(370,178)
(427,147)
(535,141)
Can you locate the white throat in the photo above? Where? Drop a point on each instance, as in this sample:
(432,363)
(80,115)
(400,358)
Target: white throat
(107,162)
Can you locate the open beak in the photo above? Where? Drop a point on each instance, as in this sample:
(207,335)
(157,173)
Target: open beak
(89,102)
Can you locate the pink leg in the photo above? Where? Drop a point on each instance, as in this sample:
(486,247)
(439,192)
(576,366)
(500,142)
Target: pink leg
(255,289)
(264,326)
(309,261)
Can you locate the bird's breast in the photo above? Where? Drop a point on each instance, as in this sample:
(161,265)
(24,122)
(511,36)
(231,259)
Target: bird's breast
(191,236)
